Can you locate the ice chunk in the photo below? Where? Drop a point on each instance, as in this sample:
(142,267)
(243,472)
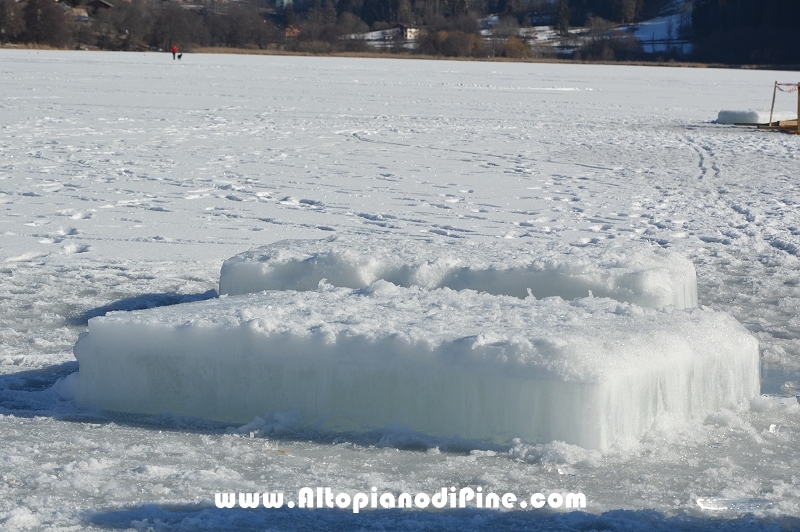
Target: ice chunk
(745,505)
(650,277)
(591,372)
(752,117)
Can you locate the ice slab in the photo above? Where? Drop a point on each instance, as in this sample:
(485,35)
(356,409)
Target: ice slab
(592,372)
(752,117)
(744,505)
(649,276)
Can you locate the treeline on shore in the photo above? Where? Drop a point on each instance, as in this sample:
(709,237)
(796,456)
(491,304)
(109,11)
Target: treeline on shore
(447,27)
(729,31)
(747,31)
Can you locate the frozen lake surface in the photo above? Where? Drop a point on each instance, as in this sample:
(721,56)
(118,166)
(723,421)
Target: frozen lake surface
(127,179)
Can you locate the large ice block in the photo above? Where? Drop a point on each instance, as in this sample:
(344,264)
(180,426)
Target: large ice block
(727,116)
(647,276)
(592,372)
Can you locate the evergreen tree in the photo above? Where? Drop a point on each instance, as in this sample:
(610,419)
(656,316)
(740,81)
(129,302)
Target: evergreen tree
(345,6)
(627,10)
(746,31)
(379,11)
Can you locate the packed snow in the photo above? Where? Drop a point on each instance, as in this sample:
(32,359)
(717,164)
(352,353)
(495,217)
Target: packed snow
(126,181)
(648,276)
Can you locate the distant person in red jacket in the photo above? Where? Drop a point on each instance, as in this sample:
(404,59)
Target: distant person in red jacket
(174,51)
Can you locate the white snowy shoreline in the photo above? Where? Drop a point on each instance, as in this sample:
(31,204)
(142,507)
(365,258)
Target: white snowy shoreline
(126,181)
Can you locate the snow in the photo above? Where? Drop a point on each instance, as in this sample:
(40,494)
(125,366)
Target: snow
(752,117)
(658,28)
(443,363)
(126,180)
(666,32)
(647,276)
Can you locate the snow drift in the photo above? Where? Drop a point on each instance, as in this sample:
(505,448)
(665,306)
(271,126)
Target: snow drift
(592,372)
(650,277)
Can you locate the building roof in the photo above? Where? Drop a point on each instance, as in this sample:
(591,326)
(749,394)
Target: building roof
(98,4)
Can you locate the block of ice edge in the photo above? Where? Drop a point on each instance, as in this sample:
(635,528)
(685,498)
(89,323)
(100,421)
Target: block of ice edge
(746,505)
(592,372)
(648,276)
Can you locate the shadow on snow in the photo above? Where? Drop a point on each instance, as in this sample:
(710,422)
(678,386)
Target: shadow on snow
(194,517)
(33,392)
(37,392)
(142,302)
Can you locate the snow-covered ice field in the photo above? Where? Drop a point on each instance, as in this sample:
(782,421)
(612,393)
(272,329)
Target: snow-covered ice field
(126,180)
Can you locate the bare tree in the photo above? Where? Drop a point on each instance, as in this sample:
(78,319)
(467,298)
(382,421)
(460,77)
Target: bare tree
(45,23)
(246,27)
(405,14)
(506,27)
(133,20)
(562,18)
(171,26)
(12,23)
(685,21)
(670,34)
(350,23)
